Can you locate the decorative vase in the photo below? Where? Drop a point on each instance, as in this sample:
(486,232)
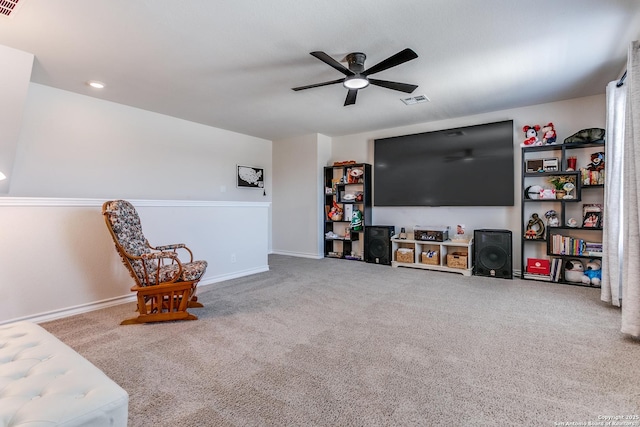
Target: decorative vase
(560,194)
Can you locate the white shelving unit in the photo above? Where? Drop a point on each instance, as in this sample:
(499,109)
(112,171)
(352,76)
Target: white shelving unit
(443,248)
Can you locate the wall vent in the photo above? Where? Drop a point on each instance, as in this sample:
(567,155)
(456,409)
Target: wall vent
(9,8)
(415,99)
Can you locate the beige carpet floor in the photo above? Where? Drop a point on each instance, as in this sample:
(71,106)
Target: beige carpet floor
(344,343)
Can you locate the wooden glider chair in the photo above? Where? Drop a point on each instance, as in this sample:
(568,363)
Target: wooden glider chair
(165,285)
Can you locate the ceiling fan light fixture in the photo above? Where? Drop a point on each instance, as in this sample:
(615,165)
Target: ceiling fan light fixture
(96,84)
(356,81)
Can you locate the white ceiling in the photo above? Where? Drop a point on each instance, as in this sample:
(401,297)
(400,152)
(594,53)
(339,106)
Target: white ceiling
(232,64)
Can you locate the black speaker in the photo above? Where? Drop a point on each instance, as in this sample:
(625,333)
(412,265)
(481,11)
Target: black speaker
(377,243)
(492,253)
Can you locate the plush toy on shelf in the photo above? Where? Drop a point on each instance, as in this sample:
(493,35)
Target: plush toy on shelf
(552,218)
(593,274)
(531,133)
(573,271)
(549,134)
(597,162)
(356,220)
(354,176)
(335,214)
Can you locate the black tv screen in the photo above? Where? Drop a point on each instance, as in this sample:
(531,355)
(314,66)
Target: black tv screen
(467,166)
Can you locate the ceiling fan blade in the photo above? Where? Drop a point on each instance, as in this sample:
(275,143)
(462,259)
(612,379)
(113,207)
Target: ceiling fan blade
(402,87)
(333,63)
(318,85)
(397,59)
(351,97)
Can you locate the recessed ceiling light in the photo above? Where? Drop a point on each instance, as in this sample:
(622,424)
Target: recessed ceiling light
(95,84)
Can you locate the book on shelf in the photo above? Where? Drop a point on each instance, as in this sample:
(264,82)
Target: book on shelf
(539,266)
(567,245)
(558,274)
(543,277)
(593,246)
(556,269)
(589,177)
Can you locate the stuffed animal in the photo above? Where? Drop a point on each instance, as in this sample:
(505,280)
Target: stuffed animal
(531,133)
(597,162)
(573,271)
(593,274)
(355,176)
(548,134)
(552,218)
(335,214)
(356,220)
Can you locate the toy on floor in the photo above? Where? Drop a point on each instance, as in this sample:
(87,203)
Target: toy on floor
(593,274)
(531,133)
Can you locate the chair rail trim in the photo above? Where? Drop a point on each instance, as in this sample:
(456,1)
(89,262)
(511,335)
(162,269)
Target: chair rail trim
(67,202)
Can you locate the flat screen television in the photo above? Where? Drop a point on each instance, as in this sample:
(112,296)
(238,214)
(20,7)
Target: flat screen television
(466,166)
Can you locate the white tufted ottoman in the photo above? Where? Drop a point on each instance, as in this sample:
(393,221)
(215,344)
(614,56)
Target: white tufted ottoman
(43,382)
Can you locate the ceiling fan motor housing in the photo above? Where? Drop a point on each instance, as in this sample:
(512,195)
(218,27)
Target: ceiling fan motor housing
(356,61)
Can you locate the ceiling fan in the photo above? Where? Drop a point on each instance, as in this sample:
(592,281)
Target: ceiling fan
(358,78)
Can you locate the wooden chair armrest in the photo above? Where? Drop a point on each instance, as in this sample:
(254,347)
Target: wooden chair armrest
(160,255)
(173,247)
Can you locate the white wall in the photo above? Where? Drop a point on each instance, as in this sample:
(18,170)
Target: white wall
(297,205)
(16,71)
(76,146)
(57,256)
(568,116)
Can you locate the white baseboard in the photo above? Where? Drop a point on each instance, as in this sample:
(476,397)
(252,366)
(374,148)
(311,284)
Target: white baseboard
(298,254)
(248,272)
(72,311)
(98,305)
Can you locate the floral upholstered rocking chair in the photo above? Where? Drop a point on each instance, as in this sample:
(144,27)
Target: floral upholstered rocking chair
(165,285)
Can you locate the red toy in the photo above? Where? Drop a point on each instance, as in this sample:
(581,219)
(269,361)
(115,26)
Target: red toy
(532,135)
(549,134)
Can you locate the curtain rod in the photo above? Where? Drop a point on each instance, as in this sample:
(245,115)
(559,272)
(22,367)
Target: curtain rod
(621,81)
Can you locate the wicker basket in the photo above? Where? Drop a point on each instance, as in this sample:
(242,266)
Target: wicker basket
(457,260)
(431,257)
(405,255)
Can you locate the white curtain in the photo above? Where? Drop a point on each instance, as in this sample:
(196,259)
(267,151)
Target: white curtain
(611,285)
(631,207)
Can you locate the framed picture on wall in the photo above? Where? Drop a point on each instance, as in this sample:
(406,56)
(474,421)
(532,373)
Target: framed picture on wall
(250,177)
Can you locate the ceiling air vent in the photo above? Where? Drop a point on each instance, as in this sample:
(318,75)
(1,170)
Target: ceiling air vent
(415,99)
(9,8)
